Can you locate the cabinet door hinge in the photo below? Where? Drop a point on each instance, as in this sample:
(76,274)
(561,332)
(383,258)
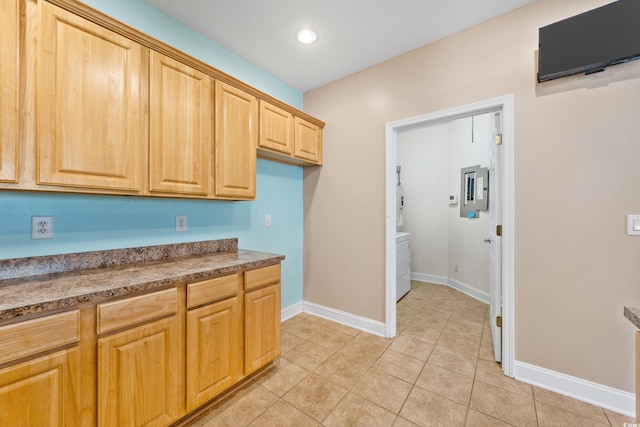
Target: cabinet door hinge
(499,321)
(498,230)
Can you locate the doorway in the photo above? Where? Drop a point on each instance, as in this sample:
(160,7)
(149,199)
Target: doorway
(505,175)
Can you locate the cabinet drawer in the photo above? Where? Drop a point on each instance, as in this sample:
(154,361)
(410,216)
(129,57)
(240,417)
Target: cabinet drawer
(199,293)
(260,277)
(33,336)
(118,314)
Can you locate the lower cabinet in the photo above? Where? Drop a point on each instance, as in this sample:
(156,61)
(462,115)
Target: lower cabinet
(42,392)
(40,384)
(139,368)
(138,373)
(262,317)
(213,343)
(146,360)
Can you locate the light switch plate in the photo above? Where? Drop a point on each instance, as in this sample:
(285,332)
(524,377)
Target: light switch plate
(633,225)
(181,223)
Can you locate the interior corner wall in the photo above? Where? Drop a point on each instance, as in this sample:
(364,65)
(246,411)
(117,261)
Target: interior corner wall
(423,155)
(94,222)
(576,149)
(467,249)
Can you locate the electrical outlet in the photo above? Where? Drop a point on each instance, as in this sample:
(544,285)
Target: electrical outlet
(267,220)
(181,223)
(456,268)
(41,227)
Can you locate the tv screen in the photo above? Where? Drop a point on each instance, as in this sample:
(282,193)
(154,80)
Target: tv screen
(591,41)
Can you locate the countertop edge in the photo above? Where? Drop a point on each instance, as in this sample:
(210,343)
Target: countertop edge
(68,302)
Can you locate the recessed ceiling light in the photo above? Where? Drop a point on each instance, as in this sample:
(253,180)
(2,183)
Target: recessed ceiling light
(307,36)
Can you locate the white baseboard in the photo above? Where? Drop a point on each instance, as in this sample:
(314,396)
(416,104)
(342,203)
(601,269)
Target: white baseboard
(470,290)
(342,317)
(429,278)
(348,319)
(293,310)
(452,283)
(596,394)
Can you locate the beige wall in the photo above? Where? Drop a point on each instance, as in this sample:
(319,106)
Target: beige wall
(577,149)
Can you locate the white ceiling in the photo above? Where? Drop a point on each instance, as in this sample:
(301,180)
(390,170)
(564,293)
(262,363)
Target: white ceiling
(352,34)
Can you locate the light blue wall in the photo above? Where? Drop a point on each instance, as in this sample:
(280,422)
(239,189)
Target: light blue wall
(87,222)
(155,23)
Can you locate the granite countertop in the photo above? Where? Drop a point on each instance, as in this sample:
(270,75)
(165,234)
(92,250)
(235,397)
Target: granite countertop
(40,284)
(633,314)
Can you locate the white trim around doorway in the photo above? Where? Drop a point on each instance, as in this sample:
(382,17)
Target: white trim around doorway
(504,104)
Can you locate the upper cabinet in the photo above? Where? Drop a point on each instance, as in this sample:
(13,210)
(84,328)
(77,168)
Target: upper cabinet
(276,128)
(288,138)
(180,128)
(308,141)
(91,104)
(236,140)
(9,34)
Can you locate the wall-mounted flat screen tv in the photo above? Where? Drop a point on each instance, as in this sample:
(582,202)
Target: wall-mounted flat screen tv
(589,42)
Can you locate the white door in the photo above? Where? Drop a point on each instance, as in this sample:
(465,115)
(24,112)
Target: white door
(495,252)
(403,265)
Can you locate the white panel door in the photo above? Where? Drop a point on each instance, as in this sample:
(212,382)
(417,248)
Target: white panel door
(495,253)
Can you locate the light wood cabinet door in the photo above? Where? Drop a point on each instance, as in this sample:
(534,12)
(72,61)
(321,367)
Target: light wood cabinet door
(42,392)
(262,327)
(276,128)
(180,128)
(308,141)
(91,95)
(138,376)
(213,343)
(9,65)
(236,140)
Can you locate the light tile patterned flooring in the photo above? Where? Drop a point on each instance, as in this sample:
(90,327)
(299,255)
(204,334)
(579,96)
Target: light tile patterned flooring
(438,371)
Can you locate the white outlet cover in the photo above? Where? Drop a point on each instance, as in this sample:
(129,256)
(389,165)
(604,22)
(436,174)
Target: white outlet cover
(41,227)
(181,223)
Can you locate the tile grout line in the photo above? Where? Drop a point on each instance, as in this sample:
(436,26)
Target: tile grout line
(453,306)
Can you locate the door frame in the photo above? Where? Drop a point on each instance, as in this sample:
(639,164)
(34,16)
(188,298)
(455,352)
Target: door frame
(505,105)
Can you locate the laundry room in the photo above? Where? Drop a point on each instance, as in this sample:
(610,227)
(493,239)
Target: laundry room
(443,201)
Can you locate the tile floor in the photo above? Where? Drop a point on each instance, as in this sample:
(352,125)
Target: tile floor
(438,371)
